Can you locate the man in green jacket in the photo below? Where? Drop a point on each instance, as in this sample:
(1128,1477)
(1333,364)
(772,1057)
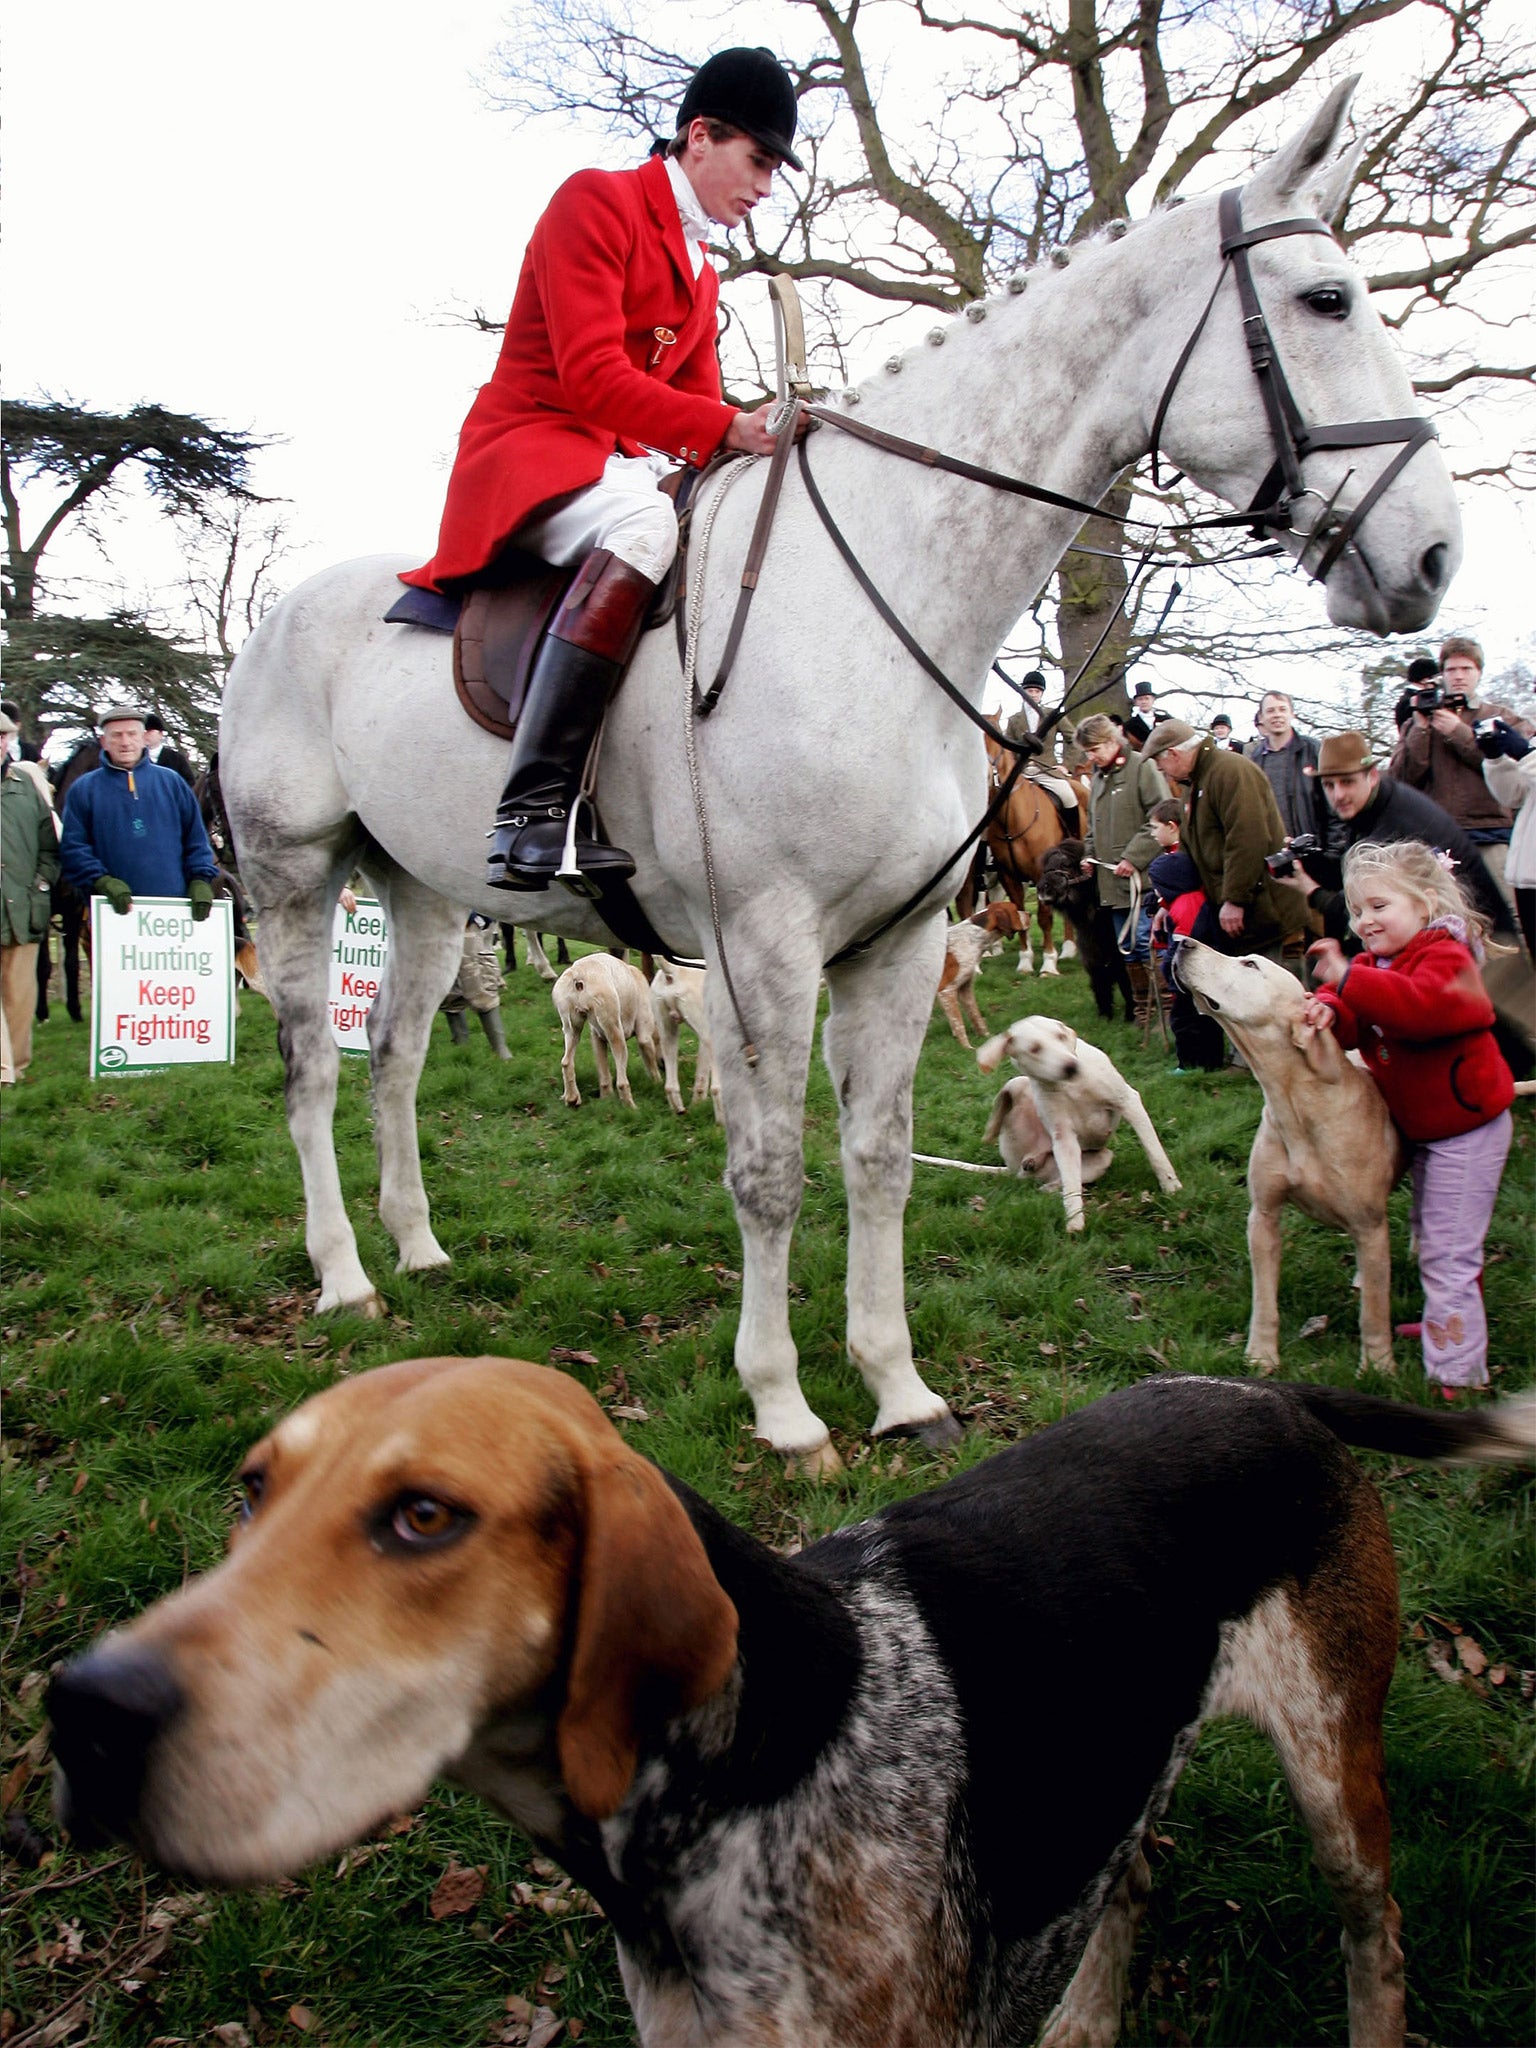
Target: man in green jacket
(1231,822)
(1118,846)
(29,867)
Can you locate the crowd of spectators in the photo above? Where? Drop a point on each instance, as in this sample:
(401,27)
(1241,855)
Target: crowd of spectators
(1249,853)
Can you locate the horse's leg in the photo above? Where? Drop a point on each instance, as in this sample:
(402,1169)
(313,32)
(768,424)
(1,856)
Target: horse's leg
(880,1009)
(1047,917)
(426,946)
(44,974)
(298,906)
(74,923)
(1068,939)
(765,1161)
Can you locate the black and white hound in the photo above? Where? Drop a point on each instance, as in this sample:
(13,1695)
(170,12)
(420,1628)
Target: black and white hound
(834,1801)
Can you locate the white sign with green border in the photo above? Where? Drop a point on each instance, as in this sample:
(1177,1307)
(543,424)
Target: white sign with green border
(162,986)
(359,948)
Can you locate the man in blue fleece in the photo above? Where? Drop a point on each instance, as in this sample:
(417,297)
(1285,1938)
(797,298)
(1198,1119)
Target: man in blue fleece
(132,829)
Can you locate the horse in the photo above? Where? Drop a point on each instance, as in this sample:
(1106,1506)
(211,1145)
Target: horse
(1018,838)
(834,834)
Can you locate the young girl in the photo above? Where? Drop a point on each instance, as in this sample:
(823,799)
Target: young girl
(1415,1006)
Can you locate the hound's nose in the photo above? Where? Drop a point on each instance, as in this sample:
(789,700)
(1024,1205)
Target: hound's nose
(1069,1071)
(108,1711)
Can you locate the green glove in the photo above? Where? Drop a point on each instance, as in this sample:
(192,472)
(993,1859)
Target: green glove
(200,896)
(117,893)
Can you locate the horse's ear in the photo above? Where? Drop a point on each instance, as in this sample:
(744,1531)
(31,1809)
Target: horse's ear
(1297,165)
(1333,194)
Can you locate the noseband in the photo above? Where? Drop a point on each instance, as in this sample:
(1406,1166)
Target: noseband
(1276,501)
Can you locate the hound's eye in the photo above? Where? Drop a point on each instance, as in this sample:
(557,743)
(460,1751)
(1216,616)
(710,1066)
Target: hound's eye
(419,1521)
(252,1486)
(1329,300)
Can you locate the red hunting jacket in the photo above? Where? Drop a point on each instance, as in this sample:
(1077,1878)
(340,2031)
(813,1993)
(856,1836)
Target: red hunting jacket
(585,366)
(1421,1022)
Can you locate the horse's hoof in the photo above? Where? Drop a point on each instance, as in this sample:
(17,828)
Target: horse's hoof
(939,1433)
(822,1462)
(371,1306)
(423,1261)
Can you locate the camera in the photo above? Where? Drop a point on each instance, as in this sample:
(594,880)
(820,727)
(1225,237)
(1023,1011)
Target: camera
(1284,862)
(1494,738)
(1434,697)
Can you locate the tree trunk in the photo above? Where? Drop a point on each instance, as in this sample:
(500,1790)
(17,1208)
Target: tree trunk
(1090,590)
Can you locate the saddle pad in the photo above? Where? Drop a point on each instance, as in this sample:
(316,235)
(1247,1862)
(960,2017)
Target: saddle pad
(429,608)
(498,635)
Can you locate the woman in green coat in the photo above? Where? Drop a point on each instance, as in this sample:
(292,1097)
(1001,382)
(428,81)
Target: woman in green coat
(29,867)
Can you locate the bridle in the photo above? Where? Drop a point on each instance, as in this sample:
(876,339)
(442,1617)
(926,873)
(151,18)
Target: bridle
(1284,487)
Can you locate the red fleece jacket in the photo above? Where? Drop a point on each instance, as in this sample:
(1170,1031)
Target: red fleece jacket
(1421,1023)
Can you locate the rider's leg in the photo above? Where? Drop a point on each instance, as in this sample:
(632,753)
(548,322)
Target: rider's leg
(627,530)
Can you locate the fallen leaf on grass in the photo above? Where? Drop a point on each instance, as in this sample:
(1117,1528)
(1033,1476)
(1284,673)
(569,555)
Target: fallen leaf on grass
(1314,1326)
(1440,1663)
(301,2017)
(1498,1674)
(231,2034)
(547,2026)
(1470,1656)
(630,1412)
(651,1324)
(458,1890)
(1048,1350)
(560,1355)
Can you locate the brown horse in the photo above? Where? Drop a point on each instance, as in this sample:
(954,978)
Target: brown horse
(1025,829)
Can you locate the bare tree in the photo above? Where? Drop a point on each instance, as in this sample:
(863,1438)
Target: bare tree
(232,565)
(947,143)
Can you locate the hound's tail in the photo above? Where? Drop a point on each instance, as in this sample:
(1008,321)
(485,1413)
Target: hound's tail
(1502,1434)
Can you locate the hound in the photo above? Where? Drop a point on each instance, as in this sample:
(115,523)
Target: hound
(1324,1142)
(1079,1101)
(966,945)
(615,997)
(807,1792)
(677,998)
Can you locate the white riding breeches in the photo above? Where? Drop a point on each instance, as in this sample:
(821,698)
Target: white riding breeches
(624,511)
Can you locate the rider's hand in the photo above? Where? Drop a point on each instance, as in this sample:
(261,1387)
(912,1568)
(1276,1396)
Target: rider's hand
(1328,962)
(748,433)
(1232,916)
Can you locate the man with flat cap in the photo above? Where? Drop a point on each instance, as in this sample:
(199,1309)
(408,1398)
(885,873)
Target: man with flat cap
(607,380)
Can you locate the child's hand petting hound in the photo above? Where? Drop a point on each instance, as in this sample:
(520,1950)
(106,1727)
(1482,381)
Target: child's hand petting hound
(1318,1014)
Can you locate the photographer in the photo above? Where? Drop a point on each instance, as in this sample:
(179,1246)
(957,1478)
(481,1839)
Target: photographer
(1509,768)
(1438,752)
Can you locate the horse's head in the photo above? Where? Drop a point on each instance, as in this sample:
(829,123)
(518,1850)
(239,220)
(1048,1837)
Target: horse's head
(1334,357)
(1060,872)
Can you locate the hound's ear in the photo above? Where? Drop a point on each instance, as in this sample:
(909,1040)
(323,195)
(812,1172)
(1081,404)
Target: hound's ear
(1297,166)
(1071,1037)
(655,1634)
(990,1057)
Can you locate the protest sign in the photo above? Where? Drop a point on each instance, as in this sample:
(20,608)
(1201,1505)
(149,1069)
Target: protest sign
(359,948)
(162,986)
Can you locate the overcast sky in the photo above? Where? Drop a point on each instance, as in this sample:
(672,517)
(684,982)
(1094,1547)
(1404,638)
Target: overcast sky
(264,215)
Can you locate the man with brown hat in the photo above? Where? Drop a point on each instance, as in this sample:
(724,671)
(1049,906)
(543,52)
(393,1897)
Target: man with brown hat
(1231,823)
(1374,806)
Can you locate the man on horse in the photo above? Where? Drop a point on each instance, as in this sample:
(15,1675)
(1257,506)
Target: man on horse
(608,379)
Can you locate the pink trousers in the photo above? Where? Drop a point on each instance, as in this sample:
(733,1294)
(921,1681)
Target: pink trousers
(1455,1185)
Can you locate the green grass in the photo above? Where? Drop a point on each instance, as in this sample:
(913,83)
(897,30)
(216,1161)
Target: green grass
(156,1318)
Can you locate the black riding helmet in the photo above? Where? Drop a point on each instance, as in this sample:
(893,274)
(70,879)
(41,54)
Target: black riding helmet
(751,90)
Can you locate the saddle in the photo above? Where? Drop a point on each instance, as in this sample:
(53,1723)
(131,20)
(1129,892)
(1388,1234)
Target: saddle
(1058,787)
(499,623)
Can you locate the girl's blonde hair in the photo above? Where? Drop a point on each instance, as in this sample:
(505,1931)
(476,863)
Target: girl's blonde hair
(1418,872)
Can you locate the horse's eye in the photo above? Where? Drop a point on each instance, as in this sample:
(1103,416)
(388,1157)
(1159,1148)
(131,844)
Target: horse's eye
(1330,301)
(419,1521)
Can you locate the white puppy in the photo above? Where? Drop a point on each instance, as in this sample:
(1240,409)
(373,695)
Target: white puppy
(677,997)
(1078,1099)
(615,998)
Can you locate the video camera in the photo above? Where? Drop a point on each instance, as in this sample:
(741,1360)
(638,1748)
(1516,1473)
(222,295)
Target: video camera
(1434,697)
(1284,862)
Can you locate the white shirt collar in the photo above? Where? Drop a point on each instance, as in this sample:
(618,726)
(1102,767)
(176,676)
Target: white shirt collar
(697,225)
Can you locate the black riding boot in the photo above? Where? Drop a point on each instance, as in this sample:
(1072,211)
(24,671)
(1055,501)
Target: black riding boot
(577,669)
